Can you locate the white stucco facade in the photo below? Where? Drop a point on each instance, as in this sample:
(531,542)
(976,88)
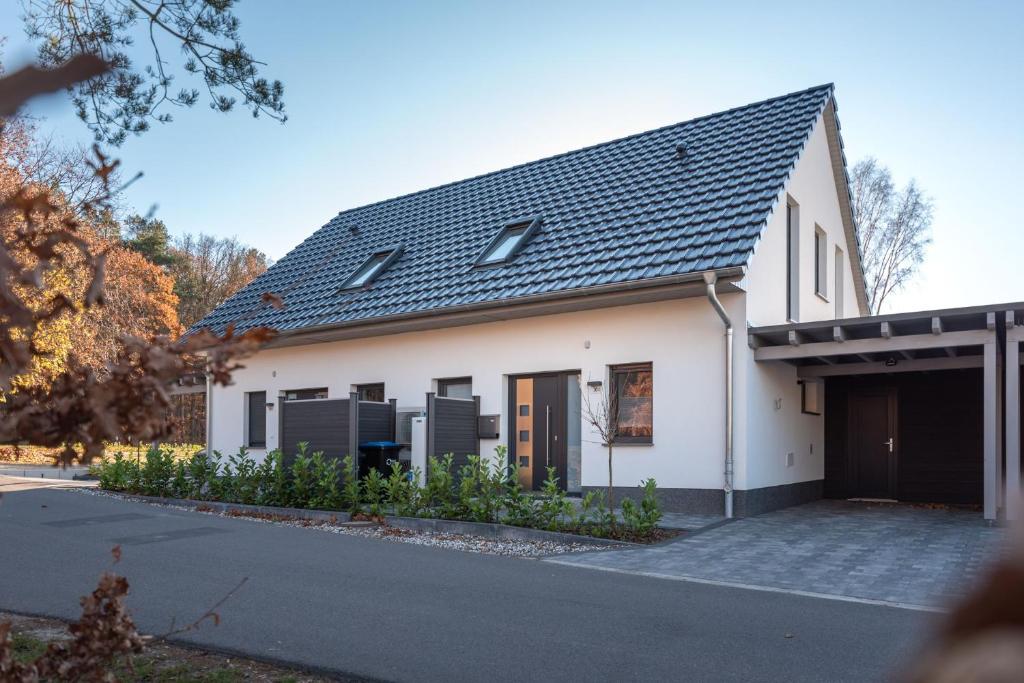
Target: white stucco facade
(775,443)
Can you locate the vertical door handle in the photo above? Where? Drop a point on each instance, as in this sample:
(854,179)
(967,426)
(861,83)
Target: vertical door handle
(889,443)
(547,436)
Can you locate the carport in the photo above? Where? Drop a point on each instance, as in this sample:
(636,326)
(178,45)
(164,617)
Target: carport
(921,407)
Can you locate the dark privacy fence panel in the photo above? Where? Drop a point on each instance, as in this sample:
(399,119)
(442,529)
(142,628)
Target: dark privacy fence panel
(376,422)
(323,423)
(452,427)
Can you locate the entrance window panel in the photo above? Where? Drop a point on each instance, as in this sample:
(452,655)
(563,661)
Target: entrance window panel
(632,389)
(524,426)
(573,434)
(371,392)
(461,387)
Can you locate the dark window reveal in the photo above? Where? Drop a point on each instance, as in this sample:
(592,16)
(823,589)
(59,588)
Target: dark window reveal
(305,394)
(371,392)
(257,414)
(633,402)
(461,387)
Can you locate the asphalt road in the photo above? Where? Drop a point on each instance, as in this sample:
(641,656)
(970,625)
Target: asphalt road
(396,611)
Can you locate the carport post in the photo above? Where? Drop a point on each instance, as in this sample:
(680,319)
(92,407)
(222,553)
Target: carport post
(991,428)
(1012,381)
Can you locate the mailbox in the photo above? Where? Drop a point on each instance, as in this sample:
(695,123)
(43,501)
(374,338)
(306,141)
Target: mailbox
(487,426)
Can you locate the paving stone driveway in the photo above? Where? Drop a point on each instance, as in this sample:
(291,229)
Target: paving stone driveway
(893,553)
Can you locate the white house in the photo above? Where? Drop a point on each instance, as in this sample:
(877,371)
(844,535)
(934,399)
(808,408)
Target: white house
(542,287)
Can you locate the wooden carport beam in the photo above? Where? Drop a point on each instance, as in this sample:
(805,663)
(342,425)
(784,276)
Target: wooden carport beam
(887,333)
(1014,502)
(992,400)
(854,347)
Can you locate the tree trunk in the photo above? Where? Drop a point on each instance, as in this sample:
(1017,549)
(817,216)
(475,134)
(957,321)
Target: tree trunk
(611,495)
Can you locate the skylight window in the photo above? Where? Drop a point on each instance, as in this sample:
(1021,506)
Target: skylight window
(507,242)
(371,268)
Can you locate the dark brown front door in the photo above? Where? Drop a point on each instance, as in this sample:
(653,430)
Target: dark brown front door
(873,447)
(538,412)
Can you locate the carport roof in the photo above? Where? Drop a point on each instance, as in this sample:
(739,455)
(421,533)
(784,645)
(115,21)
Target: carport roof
(924,340)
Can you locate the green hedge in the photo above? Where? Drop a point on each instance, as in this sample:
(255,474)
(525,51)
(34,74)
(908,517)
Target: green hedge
(478,491)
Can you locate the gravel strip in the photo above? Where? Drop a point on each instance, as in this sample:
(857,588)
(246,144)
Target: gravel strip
(461,542)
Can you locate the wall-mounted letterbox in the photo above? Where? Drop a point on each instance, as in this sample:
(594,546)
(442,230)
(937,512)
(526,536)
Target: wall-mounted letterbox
(487,426)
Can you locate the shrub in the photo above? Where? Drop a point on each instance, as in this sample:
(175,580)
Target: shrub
(402,491)
(202,471)
(440,483)
(240,484)
(272,481)
(157,472)
(115,474)
(302,478)
(553,504)
(373,490)
(351,492)
(325,495)
(180,486)
(520,507)
(644,519)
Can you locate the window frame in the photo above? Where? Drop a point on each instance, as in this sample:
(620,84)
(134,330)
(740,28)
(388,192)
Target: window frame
(840,283)
(249,395)
(360,389)
(443,384)
(613,388)
(387,256)
(528,225)
(820,262)
(792,260)
(285,397)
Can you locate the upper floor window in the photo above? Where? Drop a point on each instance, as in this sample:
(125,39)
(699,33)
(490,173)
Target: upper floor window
(632,393)
(792,260)
(508,242)
(839,287)
(820,262)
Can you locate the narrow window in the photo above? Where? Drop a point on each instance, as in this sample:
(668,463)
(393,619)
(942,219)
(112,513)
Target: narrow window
(461,387)
(839,289)
(792,260)
(257,419)
(632,394)
(305,394)
(507,242)
(820,262)
(372,268)
(371,392)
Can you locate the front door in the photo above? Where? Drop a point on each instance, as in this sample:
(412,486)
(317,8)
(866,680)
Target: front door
(539,413)
(872,445)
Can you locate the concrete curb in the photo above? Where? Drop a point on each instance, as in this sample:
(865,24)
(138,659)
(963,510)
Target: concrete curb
(447,526)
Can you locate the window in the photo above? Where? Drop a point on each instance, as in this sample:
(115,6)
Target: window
(792,260)
(461,387)
(632,389)
(371,392)
(371,268)
(820,262)
(507,242)
(256,410)
(305,394)
(811,392)
(839,289)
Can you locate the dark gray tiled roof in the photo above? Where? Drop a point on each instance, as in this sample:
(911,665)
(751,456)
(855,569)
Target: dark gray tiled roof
(622,211)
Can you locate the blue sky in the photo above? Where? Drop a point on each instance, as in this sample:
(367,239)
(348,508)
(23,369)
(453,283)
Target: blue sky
(389,98)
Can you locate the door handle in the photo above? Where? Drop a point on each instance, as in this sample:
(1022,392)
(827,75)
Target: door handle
(547,436)
(889,443)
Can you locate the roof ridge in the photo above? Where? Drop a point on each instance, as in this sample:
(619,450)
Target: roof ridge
(824,86)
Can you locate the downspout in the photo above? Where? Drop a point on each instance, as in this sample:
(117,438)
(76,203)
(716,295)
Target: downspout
(710,279)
